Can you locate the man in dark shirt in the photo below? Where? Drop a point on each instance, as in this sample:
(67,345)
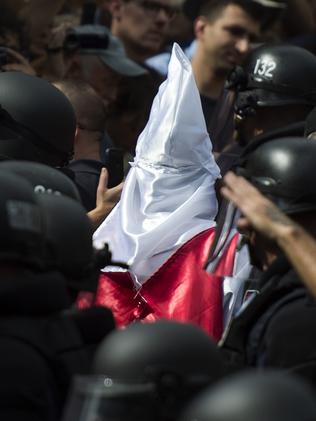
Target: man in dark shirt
(224,33)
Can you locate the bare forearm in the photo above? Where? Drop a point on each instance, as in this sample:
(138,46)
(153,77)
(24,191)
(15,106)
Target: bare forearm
(97,216)
(300,248)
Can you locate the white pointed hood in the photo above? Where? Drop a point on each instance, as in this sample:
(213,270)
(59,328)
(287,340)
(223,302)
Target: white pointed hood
(168,196)
(176,134)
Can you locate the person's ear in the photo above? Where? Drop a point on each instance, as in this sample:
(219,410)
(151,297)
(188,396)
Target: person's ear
(199,26)
(115,8)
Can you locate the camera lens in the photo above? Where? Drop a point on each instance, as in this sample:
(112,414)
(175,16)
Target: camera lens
(71,42)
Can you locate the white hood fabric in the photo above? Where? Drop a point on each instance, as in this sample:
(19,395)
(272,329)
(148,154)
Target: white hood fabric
(168,196)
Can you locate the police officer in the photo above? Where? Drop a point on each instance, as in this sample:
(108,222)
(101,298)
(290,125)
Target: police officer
(265,98)
(277,328)
(46,258)
(40,349)
(278,90)
(69,251)
(269,96)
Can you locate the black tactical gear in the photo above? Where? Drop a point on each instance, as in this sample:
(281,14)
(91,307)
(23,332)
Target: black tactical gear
(68,235)
(22,238)
(268,396)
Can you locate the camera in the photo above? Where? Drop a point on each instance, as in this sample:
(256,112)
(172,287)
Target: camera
(79,38)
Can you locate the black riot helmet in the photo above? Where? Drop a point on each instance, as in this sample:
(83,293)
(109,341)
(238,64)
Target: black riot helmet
(272,76)
(43,178)
(104,399)
(21,239)
(282,169)
(142,354)
(253,396)
(68,239)
(170,361)
(37,121)
(146,372)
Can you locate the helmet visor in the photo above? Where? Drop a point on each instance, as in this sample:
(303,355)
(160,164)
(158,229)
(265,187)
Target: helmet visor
(99,398)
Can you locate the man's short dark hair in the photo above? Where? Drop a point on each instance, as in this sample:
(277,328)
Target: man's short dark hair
(212,9)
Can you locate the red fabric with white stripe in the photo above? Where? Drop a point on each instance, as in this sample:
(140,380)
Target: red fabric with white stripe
(179,290)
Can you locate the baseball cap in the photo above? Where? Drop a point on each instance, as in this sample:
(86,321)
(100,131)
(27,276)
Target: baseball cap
(98,40)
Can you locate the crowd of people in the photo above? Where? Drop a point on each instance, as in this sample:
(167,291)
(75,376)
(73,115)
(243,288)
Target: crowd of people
(157,210)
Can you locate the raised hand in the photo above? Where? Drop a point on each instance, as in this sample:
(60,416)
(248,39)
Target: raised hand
(105,201)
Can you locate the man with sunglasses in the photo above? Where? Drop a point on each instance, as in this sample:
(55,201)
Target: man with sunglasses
(141,25)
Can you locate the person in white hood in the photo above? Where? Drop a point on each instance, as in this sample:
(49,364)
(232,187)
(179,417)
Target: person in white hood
(164,225)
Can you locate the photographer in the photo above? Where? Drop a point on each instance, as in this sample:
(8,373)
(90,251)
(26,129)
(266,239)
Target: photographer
(92,54)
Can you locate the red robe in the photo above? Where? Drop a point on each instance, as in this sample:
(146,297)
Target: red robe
(180,289)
